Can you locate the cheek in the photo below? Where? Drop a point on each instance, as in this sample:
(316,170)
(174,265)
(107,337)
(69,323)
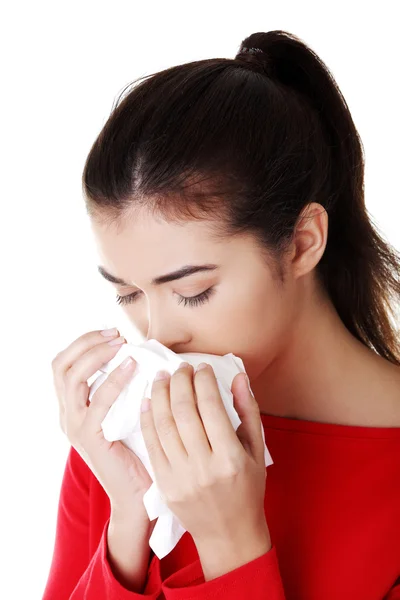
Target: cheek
(256,328)
(257,311)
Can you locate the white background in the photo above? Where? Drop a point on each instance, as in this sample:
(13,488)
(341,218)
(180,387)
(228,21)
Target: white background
(63,65)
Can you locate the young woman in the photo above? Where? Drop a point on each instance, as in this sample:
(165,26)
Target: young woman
(227,200)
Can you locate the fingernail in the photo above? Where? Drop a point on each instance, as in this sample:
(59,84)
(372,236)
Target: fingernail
(201,366)
(109,332)
(183,365)
(161,375)
(127,362)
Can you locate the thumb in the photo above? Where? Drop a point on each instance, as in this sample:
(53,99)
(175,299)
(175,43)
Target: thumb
(249,431)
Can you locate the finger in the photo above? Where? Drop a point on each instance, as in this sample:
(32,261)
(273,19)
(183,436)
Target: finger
(185,413)
(158,459)
(164,419)
(249,431)
(76,387)
(217,424)
(105,396)
(63,361)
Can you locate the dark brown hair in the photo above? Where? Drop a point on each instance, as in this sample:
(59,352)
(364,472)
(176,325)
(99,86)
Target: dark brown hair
(252,141)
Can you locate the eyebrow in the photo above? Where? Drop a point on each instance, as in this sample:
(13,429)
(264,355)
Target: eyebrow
(184,271)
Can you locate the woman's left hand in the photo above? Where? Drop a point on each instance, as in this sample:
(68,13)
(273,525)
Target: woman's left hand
(211,477)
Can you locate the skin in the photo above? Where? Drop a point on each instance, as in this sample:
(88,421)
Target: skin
(301,360)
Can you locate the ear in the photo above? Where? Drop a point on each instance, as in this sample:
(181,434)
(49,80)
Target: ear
(309,240)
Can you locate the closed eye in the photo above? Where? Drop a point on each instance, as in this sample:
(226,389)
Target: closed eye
(188,301)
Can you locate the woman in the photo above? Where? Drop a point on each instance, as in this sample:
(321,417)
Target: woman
(249,173)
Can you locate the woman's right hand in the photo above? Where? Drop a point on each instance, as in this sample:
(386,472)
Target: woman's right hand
(118,469)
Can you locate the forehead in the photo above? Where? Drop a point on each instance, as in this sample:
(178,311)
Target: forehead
(144,230)
(144,246)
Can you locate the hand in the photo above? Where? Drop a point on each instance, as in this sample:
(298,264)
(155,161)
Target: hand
(211,477)
(120,472)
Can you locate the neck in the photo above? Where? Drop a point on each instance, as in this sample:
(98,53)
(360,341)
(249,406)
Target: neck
(319,370)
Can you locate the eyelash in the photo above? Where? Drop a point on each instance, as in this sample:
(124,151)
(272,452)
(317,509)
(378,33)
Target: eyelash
(191,301)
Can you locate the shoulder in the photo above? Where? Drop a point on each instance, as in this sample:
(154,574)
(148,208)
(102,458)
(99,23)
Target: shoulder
(371,398)
(382,407)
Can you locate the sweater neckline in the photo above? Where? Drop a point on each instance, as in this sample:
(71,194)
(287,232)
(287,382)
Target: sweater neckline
(332,429)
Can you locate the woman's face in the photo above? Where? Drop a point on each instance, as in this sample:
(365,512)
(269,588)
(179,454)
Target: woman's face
(242,307)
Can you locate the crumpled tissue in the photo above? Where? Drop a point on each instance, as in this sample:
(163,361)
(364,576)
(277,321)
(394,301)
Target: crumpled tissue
(122,421)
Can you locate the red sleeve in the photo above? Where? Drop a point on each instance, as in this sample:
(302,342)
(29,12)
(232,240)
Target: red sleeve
(73,575)
(394,593)
(258,580)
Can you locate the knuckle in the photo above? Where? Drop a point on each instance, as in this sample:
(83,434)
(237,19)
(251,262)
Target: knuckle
(231,468)
(183,396)
(164,424)
(56,361)
(151,449)
(182,410)
(147,430)
(111,384)
(204,485)
(71,376)
(178,498)
(212,399)
(205,479)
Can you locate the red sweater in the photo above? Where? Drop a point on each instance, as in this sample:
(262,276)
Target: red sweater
(332,505)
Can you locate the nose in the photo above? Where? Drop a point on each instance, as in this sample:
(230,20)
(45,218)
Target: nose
(167,331)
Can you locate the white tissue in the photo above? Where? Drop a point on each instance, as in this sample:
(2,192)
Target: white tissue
(122,421)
